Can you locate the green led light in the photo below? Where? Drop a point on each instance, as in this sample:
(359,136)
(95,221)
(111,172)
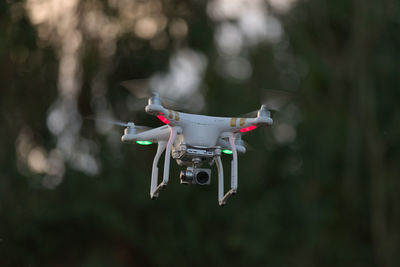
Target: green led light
(227,151)
(144,143)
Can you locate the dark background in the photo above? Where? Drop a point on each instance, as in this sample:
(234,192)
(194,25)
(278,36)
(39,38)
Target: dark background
(319,188)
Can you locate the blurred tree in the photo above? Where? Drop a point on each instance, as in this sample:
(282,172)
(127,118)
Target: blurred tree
(319,188)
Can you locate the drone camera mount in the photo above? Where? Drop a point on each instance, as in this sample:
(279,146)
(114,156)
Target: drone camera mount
(193,175)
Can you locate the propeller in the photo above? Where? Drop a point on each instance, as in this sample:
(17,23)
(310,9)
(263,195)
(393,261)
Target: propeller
(138,128)
(138,87)
(142,88)
(273,100)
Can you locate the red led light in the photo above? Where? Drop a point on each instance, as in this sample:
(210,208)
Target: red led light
(248,129)
(163,119)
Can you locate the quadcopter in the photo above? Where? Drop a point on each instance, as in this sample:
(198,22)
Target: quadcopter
(194,141)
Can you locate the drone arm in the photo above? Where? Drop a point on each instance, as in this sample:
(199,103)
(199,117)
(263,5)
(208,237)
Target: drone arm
(154,174)
(263,120)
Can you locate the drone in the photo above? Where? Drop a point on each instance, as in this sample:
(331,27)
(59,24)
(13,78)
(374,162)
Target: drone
(194,141)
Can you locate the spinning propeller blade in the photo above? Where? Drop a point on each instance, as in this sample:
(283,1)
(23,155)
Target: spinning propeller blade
(276,100)
(138,87)
(141,88)
(122,124)
(273,100)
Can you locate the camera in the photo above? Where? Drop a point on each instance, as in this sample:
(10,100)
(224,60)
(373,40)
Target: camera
(196,176)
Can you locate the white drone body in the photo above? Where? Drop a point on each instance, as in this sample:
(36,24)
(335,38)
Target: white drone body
(194,140)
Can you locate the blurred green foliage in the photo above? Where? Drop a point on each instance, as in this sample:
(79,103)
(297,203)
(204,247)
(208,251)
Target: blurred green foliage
(328,198)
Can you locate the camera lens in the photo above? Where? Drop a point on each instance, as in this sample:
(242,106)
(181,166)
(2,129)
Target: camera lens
(202,177)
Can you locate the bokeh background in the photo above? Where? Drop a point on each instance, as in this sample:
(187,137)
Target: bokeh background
(319,188)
